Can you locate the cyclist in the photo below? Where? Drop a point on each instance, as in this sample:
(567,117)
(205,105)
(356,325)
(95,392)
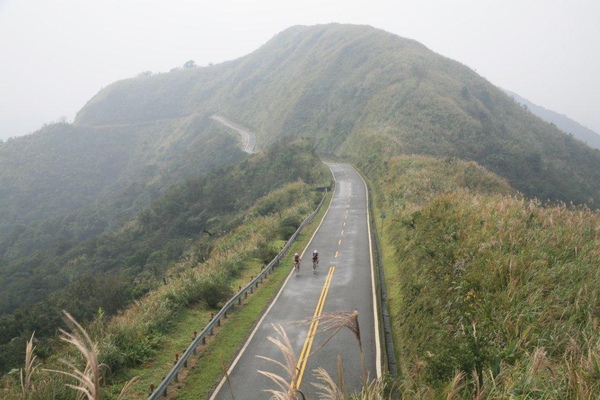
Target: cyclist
(297,260)
(315,260)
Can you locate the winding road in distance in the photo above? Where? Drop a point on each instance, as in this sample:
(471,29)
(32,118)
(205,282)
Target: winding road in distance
(248,137)
(345,281)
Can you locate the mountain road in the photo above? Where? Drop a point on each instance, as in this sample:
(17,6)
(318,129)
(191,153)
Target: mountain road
(248,137)
(308,302)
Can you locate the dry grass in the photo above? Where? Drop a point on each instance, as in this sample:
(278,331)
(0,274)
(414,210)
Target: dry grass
(27,387)
(336,321)
(88,379)
(329,389)
(287,384)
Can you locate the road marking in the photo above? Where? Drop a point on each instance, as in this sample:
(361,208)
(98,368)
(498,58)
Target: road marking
(336,254)
(310,337)
(342,232)
(339,242)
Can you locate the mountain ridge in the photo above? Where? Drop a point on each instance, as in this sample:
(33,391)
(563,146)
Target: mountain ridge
(563,122)
(332,83)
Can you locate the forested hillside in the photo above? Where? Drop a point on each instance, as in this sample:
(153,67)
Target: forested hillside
(109,271)
(80,172)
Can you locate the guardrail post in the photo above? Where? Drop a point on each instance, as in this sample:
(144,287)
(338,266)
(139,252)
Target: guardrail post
(195,350)
(240,298)
(164,393)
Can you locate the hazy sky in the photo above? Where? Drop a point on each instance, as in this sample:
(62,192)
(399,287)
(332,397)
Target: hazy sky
(55,55)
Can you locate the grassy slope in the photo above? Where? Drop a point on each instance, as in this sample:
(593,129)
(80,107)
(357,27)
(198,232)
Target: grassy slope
(484,282)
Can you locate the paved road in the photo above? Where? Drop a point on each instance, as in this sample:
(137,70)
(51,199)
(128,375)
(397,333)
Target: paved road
(248,137)
(344,282)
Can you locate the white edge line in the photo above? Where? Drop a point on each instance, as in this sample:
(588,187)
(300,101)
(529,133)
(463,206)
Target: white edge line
(260,322)
(373,286)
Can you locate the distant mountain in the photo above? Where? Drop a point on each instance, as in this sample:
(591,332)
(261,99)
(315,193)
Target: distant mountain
(343,85)
(563,122)
(340,85)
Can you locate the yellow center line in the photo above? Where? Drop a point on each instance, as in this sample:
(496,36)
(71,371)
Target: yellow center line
(342,232)
(339,242)
(336,254)
(310,337)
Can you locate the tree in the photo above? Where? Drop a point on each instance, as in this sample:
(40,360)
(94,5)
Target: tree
(189,64)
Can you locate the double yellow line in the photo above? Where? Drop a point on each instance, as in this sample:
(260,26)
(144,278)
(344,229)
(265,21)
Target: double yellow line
(310,337)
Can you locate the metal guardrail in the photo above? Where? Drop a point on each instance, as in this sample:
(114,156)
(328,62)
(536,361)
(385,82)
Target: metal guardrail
(161,390)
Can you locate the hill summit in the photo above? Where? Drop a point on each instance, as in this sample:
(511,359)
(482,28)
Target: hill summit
(340,84)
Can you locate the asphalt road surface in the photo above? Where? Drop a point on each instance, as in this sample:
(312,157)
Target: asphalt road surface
(344,282)
(248,137)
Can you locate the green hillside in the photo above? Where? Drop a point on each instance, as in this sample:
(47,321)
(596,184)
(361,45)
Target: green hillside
(491,295)
(491,288)
(109,271)
(64,168)
(334,82)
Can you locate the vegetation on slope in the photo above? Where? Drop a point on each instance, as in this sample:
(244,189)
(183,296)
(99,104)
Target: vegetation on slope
(85,179)
(109,271)
(491,295)
(334,82)
(136,335)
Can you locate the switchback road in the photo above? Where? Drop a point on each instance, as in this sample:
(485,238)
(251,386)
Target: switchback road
(345,282)
(248,138)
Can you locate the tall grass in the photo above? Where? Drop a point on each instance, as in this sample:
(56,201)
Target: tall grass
(327,387)
(88,379)
(492,295)
(30,369)
(286,382)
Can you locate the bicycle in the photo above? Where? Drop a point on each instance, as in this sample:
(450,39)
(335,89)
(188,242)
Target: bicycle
(297,267)
(315,265)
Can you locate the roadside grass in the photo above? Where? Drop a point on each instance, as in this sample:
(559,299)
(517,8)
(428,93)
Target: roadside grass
(221,348)
(173,342)
(143,339)
(491,295)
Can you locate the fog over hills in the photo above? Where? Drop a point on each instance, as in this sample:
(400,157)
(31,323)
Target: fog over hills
(563,122)
(144,177)
(333,83)
(337,82)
